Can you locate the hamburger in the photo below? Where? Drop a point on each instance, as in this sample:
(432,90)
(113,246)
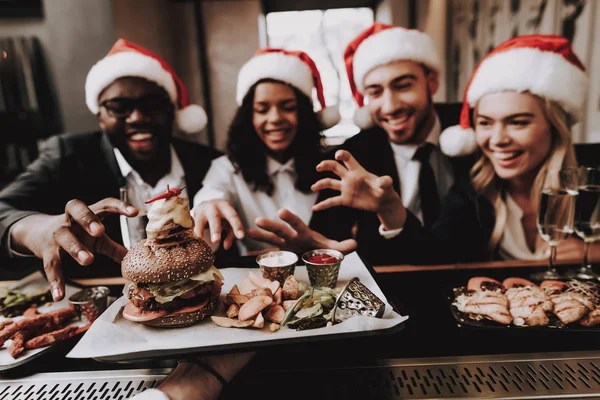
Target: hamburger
(173,282)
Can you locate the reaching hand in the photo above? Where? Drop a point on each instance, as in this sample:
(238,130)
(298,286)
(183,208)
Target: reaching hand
(570,249)
(78,232)
(190,381)
(213,213)
(360,189)
(296,236)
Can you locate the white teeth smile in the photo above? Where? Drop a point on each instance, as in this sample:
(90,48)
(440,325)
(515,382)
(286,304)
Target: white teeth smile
(141,136)
(506,155)
(280,132)
(400,120)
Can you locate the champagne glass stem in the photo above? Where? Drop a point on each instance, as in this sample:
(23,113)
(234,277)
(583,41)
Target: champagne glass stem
(586,250)
(551,260)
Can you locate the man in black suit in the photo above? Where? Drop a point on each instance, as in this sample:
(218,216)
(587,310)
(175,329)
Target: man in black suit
(397,70)
(138,100)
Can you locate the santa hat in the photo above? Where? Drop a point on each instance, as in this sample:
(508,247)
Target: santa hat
(293,67)
(129,59)
(539,64)
(382,44)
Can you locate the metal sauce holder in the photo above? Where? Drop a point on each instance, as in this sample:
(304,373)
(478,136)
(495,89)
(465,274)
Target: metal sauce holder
(91,302)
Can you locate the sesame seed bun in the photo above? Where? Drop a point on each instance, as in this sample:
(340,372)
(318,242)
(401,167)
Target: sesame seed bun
(146,263)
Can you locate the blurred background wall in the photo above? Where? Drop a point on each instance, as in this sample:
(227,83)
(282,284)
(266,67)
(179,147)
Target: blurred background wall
(208,41)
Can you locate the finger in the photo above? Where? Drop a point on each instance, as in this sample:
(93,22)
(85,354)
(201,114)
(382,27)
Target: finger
(229,238)
(384,182)
(52,268)
(327,183)
(345,246)
(264,236)
(278,228)
(348,159)
(214,223)
(110,248)
(333,166)
(69,242)
(78,211)
(113,206)
(295,221)
(200,222)
(328,203)
(232,217)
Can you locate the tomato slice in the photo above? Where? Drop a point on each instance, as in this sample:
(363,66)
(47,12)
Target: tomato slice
(134,314)
(191,308)
(512,282)
(476,283)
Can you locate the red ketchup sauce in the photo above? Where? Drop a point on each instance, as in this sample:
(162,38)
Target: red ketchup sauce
(322,259)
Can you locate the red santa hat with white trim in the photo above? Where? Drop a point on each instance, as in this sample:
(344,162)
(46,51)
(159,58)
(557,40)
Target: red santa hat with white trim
(382,44)
(127,59)
(543,65)
(292,67)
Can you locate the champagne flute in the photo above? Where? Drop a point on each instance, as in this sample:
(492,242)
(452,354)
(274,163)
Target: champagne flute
(556,213)
(587,218)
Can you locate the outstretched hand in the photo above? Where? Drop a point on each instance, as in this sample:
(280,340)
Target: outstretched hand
(79,232)
(294,235)
(360,189)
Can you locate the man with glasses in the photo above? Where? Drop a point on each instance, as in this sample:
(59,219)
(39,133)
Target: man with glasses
(67,201)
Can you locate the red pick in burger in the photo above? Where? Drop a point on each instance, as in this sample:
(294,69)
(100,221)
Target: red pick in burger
(173,282)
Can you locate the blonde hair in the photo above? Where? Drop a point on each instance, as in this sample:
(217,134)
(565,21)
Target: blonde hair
(561,155)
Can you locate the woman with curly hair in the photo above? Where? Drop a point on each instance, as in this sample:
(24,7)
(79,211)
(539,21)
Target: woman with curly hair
(273,147)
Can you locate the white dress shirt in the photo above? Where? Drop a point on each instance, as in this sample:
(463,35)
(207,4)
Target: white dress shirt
(513,245)
(408,173)
(138,191)
(223,182)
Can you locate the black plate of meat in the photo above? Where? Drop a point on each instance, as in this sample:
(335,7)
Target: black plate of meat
(517,303)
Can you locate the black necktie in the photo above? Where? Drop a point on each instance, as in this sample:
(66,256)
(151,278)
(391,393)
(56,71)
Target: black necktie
(430,200)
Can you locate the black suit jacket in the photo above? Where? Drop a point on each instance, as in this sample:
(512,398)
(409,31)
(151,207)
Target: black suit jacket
(464,228)
(373,151)
(83,166)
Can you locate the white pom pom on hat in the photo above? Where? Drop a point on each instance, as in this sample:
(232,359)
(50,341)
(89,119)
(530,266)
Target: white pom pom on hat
(293,67)
(543,65)
(127,59)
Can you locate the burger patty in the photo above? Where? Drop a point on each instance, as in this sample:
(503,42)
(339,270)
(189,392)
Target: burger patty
(145,300)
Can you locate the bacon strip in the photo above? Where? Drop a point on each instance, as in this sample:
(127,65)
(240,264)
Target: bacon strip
(49,338)
(57,318)
(31,312)
(23,324)
(18,345)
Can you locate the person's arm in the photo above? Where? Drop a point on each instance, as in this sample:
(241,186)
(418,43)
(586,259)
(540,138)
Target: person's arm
(78,232)
(193,380)
(37,190)
(214,206)
(456,236)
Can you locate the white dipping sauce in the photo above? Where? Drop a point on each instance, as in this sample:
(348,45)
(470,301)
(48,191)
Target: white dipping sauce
(279,259)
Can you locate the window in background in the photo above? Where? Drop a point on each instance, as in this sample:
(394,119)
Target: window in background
(324,35)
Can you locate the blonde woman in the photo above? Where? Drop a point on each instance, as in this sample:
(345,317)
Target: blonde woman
(525,96)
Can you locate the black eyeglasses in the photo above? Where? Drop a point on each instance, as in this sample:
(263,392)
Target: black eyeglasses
(147,105)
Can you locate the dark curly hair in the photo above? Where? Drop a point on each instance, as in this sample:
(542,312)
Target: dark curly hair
(248,153)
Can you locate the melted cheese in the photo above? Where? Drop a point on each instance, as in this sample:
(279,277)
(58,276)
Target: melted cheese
(211,274)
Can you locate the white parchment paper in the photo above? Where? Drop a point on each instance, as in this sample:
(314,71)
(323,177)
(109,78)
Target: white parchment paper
(113,338)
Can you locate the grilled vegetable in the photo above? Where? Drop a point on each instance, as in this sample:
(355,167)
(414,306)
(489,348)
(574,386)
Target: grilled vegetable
(15,303)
